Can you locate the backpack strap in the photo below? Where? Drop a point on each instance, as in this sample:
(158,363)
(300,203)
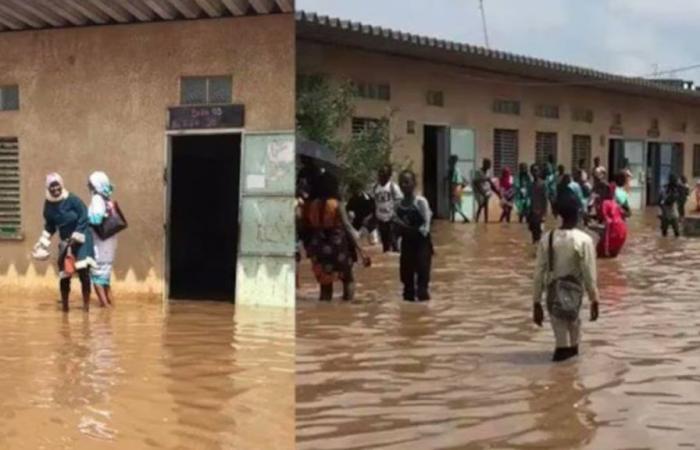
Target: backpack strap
(551,251)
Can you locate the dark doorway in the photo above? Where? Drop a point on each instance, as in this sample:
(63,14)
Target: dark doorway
(203,225)
(435,162)
(616,157)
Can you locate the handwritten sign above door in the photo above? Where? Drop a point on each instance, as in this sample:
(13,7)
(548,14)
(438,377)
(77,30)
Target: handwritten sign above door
(206,117)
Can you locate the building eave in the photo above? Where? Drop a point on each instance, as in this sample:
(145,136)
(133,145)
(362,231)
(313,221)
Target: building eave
(334,31)
(21,15)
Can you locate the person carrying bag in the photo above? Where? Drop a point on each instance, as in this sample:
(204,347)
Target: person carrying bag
(565,268)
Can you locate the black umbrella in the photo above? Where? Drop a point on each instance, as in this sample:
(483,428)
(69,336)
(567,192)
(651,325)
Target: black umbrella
(316,151)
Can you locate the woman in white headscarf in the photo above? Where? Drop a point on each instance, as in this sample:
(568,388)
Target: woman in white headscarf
(66,215)
(101,207)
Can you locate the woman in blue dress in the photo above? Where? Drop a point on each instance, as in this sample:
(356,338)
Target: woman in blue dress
(66,214)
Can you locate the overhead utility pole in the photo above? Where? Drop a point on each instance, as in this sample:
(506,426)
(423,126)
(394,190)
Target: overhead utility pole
(483,23)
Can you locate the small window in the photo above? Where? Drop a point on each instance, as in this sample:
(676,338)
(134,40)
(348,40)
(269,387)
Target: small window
(581,151)
(362,124)
(9,98)
(505,150)
(511,107)
(10,216)
(547,111)
(582,115)
(411,127)
(206,90)
(372,91)
(696,161)
(545,146)
(436,98)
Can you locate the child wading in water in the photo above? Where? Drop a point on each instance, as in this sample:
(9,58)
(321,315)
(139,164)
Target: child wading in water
(565,268)
(412,221)
(668,203)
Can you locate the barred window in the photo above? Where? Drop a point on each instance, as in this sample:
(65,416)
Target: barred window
(436,98)
(582,115)
(696,161)
(581,151)
(206,90)
(372,91)
(547,111)
(505,150)
(10,215)
(361,124)
(9,98)
(545,146)
(506,107)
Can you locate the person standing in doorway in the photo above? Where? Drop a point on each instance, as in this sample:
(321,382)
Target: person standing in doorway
(668,203)
(539,199)
(483,189)
(628,175)
(565,267)
(412,220)
(683,200)
(457,185)
(66,214)
(386,194)
(523,192)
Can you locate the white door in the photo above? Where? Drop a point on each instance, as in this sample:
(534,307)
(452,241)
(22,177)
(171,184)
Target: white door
(463,145)
(636,156)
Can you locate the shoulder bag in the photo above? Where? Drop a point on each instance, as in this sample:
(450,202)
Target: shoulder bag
(114,223)
(564,295)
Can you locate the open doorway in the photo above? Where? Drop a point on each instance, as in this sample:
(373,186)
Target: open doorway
(203,222)
(435,162)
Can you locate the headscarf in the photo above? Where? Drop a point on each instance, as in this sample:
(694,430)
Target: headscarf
(506,181)
(51,179)
(100,184)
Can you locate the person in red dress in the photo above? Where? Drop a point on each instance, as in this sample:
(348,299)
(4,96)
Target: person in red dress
(613,225)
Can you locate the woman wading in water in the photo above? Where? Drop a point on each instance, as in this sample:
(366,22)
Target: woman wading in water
(333,244)
(102,206)
(565,268)
(66,214)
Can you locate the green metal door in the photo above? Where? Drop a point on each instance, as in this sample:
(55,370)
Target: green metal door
(463,145)
(636,156)
(267,229)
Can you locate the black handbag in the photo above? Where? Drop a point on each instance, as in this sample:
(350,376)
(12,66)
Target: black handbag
(114,223)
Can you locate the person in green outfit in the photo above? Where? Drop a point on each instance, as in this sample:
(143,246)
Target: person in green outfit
(621,196)
(523,192)
(457,185)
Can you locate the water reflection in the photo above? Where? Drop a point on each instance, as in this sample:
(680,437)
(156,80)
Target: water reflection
(469,370)
(199,375)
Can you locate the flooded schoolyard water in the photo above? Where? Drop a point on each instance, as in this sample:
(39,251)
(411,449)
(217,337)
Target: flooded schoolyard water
(194,376)
(470,370)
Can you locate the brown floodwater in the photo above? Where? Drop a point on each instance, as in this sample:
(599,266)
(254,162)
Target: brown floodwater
(193,376)
(469,370)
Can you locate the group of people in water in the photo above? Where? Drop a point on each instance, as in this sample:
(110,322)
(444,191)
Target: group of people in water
(87,236)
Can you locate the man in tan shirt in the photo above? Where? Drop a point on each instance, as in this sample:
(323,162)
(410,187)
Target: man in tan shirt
(575,256)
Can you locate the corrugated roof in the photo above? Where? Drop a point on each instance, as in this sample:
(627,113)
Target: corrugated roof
(17,15)
(311,26)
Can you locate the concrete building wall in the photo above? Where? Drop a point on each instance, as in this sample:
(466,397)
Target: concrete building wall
(469,96)
(96,98)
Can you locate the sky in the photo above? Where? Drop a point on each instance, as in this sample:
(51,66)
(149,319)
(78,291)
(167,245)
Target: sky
(628,37)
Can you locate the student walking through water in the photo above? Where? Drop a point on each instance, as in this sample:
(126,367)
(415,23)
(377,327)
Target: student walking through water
(66,214)
(564,269)
(523,192)
(457,185)
(613,229)
(668,203)
(386,195)
(412,220)
(333,243)
(483,189)
(505,185)
(538,204)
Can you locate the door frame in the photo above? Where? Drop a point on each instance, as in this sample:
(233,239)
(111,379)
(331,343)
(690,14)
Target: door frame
(167,181)
(446,127)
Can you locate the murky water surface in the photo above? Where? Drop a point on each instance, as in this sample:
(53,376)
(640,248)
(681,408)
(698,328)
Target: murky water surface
(198,376)
(469,370)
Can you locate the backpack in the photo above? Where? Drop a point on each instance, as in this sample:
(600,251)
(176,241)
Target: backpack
(564,295)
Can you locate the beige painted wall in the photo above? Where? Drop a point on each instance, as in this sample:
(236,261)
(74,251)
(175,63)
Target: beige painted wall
(95,99)
(469,96)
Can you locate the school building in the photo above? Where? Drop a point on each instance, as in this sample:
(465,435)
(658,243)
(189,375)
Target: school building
(451,98)
(188,106)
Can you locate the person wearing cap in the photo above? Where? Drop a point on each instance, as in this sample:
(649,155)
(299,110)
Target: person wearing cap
(66,214)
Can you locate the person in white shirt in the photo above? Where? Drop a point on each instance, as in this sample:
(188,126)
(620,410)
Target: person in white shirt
(386,194)
(574,259)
